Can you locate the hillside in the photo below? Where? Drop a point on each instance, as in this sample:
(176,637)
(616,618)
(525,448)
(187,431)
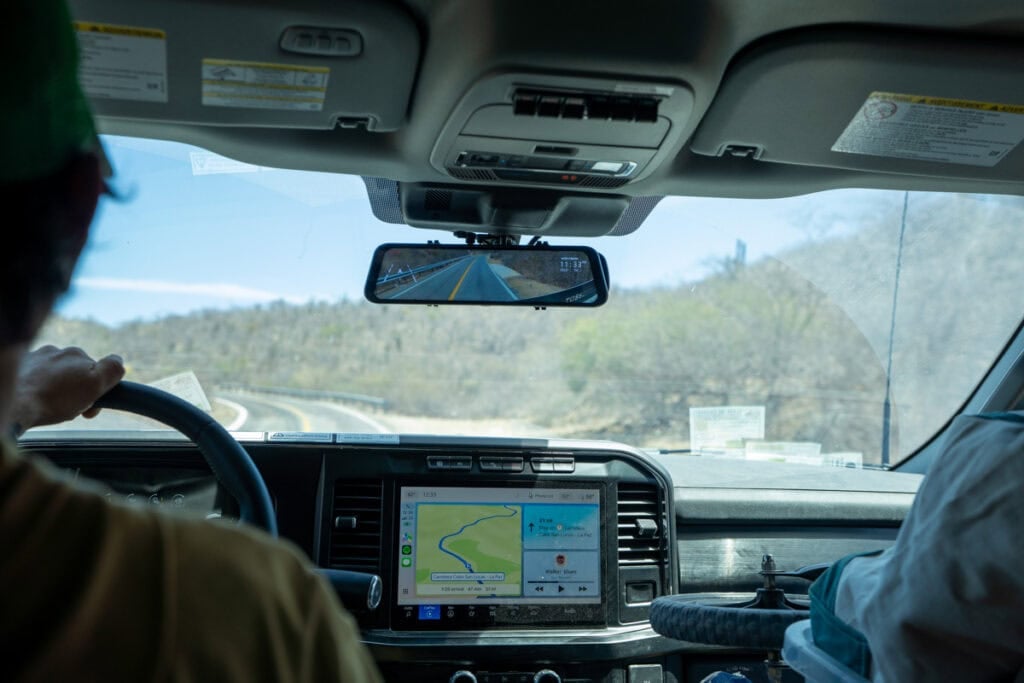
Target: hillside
(805,334)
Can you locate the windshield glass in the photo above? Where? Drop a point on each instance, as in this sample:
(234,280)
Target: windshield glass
(774,329)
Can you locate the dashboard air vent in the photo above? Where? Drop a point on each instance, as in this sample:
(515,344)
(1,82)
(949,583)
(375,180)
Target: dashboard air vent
(640,525)
(356,522)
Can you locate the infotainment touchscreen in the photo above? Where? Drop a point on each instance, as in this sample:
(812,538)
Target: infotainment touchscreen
(498,546)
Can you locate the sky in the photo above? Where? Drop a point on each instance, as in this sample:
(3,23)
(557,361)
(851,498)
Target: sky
(194,230)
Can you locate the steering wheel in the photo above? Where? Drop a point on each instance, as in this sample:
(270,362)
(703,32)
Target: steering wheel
(229,462)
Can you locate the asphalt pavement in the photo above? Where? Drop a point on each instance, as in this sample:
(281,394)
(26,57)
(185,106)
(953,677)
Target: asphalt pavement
(287,414)
(260,412)
(467,280)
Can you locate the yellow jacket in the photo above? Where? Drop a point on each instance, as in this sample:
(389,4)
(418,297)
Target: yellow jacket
(94,591)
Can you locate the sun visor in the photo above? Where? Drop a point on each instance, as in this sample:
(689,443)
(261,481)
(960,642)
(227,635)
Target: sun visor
(303,64)
(910,103)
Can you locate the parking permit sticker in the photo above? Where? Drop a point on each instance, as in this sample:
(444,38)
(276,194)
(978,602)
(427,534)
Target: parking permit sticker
(122,62)
(186,386)
(933,129)
(722,429)
(257,85)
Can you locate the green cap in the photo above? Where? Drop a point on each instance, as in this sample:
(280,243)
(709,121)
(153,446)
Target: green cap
(44,116)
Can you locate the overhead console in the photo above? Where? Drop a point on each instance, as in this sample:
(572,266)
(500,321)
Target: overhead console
(517,211)
(305,64)
(506,210)
(879,100)
(557,130)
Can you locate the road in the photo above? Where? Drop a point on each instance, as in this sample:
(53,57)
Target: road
(261,413)
(287,414)
(470,279)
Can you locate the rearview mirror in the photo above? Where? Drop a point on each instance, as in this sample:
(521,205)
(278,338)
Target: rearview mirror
(504,276)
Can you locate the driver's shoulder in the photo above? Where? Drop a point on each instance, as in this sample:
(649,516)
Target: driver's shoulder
(242,600)
(205,550)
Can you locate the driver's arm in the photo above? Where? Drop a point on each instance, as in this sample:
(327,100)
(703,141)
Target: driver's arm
(56,385)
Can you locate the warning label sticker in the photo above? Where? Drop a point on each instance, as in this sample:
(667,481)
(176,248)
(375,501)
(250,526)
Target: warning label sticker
(256,85)
(933,129)
(122,62)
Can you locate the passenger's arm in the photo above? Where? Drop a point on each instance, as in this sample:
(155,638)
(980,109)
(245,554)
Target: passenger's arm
(55,385)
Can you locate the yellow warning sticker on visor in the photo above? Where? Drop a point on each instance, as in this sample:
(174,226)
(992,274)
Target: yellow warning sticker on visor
(122,62)
(262,85)
(941,129)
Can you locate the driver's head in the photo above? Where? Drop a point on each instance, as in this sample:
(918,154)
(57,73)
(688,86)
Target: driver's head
(50,178)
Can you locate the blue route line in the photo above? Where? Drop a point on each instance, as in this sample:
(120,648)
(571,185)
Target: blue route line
(467,565)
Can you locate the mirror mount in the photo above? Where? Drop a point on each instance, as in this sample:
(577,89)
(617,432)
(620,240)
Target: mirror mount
(489,239)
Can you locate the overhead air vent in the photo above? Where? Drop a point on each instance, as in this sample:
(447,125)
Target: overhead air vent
(602,181)
(471,173)
(356,522)
(580,105)
(640,526)
(437,200)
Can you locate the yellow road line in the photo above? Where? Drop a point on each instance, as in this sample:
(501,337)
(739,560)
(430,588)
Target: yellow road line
(459,284)
(304,424)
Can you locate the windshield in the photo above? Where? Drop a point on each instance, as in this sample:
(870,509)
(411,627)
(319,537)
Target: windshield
(773,329)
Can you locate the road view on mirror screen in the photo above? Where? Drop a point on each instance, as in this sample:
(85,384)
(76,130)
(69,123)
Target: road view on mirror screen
(493,276)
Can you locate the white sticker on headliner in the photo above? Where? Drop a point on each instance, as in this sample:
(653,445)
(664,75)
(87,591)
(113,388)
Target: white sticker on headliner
(933,129)
(122,62)
(259,85)
(209,163)
(385,439)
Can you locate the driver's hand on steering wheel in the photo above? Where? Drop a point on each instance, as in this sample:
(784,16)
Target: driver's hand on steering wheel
(56,385)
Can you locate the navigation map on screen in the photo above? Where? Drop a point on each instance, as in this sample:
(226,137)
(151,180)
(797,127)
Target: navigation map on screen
(459,545)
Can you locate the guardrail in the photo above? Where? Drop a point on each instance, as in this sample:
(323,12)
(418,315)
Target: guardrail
(416,271)
(313,394)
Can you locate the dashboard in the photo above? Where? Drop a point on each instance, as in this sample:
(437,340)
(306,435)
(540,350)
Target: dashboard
(510,560)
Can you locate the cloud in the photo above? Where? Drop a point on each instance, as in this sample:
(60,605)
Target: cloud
(219,290)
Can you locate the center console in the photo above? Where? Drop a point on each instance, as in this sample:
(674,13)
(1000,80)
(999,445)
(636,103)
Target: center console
(503,560)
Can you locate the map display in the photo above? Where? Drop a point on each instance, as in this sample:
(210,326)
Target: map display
(467,549)
(469,545)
